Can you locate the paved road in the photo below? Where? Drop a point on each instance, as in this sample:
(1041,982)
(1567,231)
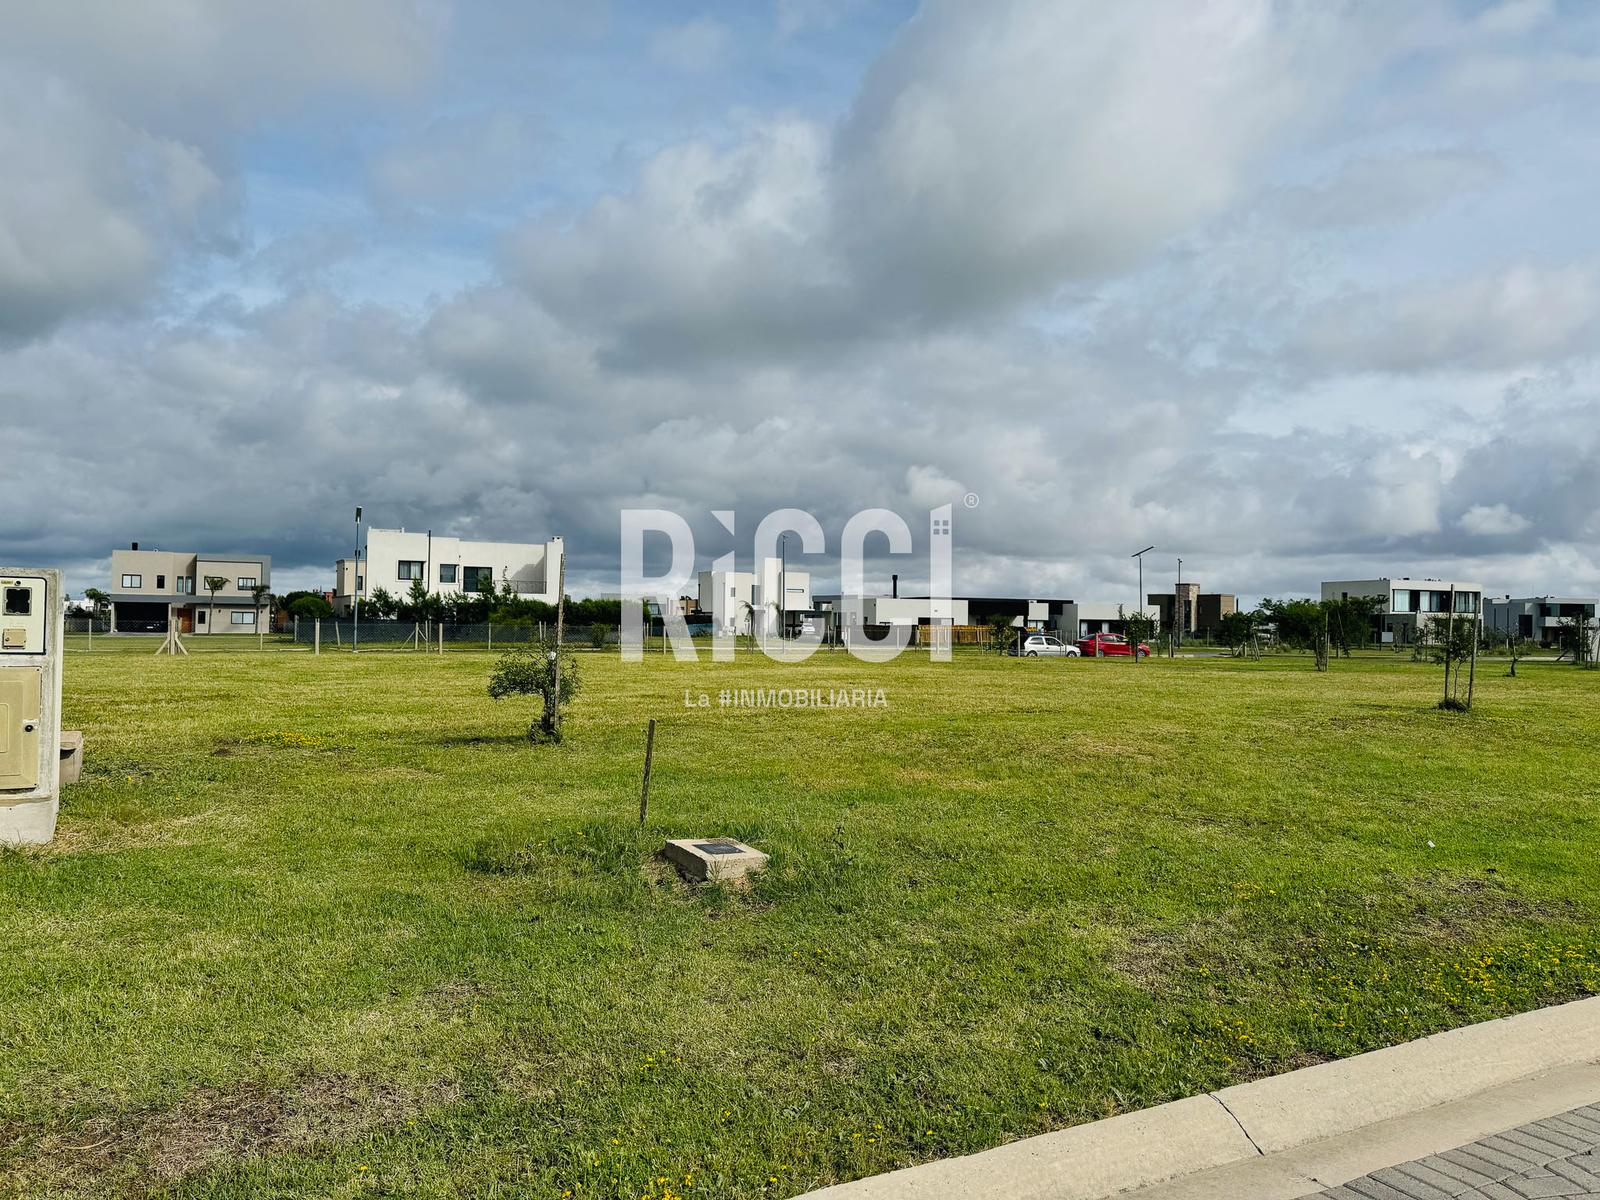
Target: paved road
(1559,1156)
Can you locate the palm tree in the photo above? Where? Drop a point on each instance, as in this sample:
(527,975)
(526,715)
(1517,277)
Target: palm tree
(261,595)
(214,584)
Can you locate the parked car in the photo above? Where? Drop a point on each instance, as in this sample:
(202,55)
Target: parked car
(1109,644)
(1035,645)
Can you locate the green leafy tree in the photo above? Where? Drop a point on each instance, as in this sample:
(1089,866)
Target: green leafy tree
(1000,631)
(262,596)
(99,602)
(1238,632)
(308,606)
(1450,643)
(598,635)
(1138,627)
(530,670)
(380,606)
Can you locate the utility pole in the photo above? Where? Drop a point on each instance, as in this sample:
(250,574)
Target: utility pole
(355,584)
(783,585)
(555,666)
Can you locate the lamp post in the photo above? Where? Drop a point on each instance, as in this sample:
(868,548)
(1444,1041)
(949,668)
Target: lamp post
(355,582)
(1182,607)
(783,586)
(1139,600)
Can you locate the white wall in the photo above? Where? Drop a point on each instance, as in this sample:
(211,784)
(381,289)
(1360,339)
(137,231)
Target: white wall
(532,568)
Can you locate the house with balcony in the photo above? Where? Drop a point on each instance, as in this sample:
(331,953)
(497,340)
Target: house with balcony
(1548,620)
(154,590)
(1409,603)
(395,559)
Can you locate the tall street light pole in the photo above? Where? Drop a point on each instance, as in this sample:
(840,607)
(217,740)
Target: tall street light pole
(1183,610)
(355,582)
(1139,607)
(783,585)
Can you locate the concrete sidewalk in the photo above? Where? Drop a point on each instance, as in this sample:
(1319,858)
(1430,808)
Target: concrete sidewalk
(1301,1133)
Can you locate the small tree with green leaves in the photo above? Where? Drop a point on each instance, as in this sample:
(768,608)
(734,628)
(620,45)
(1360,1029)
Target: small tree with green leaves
(530,670)
(1450,644)
(599,635)
(1000,632)
(100,602)
(1137,626)
(1238,630)
(214,584)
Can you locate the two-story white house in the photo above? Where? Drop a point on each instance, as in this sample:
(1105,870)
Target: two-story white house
(394,559)
(151,589)
(1409,602)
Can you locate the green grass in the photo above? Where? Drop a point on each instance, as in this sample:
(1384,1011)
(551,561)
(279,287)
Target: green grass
(326,926)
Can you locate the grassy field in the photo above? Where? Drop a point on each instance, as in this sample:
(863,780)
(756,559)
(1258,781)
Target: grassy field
(327,926)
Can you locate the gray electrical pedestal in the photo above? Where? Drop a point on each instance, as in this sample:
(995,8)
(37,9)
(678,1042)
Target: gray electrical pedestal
(30,703)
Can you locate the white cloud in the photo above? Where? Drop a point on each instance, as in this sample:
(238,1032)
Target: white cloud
(1518,315)
(1493,520)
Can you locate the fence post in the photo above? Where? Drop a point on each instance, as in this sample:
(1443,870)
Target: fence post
(441,637)
(491,637)
(316,636)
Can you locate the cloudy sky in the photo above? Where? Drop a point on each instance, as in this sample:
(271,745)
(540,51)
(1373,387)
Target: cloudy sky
(1292,291)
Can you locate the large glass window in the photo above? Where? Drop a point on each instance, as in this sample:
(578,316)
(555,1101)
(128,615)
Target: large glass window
(1401,601)
(185,585)
(246,582)
(478,579)
(447,572)
(244,618)
(410,568)
(1466,602)
(133,581)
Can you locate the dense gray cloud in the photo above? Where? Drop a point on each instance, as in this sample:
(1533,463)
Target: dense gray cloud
(1223,278)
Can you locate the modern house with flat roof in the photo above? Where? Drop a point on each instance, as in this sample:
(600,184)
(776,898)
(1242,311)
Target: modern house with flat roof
(1409,602)
(1187,608)
(154,589)
(1548,620)
(729,598)
(394,559)
(1084,618)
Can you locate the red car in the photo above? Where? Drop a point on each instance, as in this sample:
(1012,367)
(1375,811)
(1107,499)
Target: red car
(1109,644)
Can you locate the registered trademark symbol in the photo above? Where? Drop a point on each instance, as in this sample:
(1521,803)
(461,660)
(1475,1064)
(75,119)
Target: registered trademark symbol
(970,499)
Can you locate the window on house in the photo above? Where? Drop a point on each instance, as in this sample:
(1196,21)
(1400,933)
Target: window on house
(246,582)
(1466,602)
(244,618)
(447,572)
(133,581)
(184,585)
(200,617)
(477,579)
(410,568)
(1401,601)
(161,583)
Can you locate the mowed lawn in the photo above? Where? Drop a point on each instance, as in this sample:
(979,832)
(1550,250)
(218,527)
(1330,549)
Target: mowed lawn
(329,927)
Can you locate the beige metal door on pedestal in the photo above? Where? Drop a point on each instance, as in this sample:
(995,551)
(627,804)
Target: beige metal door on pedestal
(19,728)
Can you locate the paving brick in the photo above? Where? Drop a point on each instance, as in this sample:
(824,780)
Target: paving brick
(1553,1159)
(1545,1187)
(1469,1176)
(1450,1185)
(1410,1185)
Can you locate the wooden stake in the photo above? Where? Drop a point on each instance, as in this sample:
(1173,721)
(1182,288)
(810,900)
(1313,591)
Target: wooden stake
(644,788)
(316,637)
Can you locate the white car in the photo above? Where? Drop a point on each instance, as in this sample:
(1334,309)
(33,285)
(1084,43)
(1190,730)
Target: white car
(1036,645)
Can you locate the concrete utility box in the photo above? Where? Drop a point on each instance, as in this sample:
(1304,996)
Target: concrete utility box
(723,859)
(30,703)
